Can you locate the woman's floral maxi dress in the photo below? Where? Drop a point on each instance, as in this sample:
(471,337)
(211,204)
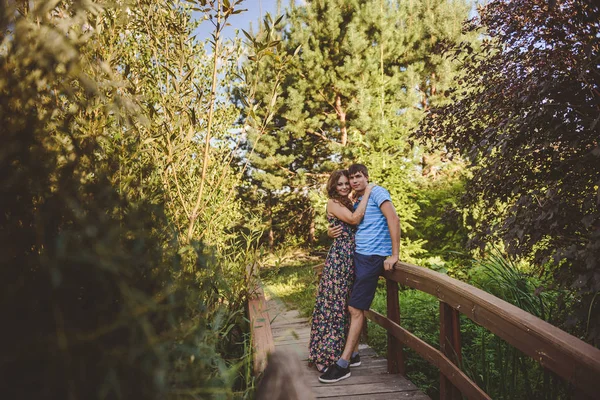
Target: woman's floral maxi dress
(330,319)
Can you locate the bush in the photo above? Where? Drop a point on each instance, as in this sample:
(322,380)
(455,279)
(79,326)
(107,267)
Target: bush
(97,299)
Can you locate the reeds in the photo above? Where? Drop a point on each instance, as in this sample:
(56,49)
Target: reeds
(500,369)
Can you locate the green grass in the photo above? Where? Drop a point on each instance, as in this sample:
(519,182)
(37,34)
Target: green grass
(292,279)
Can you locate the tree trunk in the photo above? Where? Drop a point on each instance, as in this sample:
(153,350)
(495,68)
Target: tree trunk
(311,229)
(342,115)
(270,216)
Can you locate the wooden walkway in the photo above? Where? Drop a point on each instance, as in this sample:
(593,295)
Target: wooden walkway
(371,381)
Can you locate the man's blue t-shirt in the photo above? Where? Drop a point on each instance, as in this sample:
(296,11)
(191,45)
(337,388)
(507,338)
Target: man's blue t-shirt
(373,234)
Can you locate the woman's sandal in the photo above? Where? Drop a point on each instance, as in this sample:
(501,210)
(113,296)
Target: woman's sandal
(321,368)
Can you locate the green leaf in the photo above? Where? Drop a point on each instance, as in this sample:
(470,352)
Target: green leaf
(169,71)
(188,75)
(250,38)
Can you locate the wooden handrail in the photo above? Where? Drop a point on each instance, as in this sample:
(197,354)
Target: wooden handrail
(567,356)
(279,373)
(431,354)
(260,323)
(260,330)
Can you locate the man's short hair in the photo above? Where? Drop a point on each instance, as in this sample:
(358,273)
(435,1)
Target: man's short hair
(354,168)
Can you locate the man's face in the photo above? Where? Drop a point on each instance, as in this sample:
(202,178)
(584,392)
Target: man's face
(358,182)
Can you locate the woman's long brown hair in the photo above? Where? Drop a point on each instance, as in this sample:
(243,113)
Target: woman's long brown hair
(332,188)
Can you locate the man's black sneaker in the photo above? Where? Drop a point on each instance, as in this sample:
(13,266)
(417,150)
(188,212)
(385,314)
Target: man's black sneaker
(355,361)
(335,373)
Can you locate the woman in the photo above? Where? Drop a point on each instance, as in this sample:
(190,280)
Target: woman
(330,320)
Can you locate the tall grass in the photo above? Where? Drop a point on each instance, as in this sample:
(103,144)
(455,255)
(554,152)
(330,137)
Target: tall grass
(102,298)
(419,313)
(505,279)
(497,367)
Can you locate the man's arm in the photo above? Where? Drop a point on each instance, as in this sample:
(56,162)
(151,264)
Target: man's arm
(334,231)
(393,221)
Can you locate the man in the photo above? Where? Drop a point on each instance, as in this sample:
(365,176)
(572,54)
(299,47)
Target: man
(377,249)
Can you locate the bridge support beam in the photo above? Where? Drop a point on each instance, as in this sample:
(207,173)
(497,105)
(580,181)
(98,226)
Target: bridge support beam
(395,355)
(450,347)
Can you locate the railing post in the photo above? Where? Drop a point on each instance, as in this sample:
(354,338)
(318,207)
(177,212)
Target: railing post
(260,323)
(395,356)
(450,347)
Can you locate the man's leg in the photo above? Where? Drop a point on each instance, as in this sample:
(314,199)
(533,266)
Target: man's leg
(357,318)
(341,369)
(368,269)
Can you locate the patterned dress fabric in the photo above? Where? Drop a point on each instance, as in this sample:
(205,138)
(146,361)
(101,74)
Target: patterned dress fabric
(330,319)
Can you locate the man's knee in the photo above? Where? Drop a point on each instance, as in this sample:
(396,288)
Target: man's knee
(355,312)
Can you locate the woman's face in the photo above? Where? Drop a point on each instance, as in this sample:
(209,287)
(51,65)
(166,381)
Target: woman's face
(343,186)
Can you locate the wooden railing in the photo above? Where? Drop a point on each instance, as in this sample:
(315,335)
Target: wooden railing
(260,329)
(568,357)
(261,335)
(280,373)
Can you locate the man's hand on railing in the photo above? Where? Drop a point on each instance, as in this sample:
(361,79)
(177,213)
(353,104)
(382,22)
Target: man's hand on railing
(390,262)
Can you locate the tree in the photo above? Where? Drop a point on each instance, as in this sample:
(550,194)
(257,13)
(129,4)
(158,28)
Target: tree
(525,114)
(263,74)
(78,255)
(412,77)
(189,125)
(364,74)
(103,105)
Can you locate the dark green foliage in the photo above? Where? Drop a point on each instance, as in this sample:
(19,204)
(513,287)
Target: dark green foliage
(526,115)
(498,368)
(81,264)
(419,314)
(97,302)
(286,218)
(441,224)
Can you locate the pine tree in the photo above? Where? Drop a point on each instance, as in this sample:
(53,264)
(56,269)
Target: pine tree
(263,75)
(364,74)
(412,76)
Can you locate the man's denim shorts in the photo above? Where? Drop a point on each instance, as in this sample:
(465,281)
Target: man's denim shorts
(368,269)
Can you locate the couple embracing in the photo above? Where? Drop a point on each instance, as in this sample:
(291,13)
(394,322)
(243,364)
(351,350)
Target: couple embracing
(367,242)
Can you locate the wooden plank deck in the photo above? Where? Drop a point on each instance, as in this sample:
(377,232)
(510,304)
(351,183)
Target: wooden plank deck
(291,333)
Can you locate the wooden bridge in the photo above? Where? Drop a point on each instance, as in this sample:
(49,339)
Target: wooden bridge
(291,334)
(286,338)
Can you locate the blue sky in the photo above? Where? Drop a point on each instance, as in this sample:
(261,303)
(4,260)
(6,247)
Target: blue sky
(256,10)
